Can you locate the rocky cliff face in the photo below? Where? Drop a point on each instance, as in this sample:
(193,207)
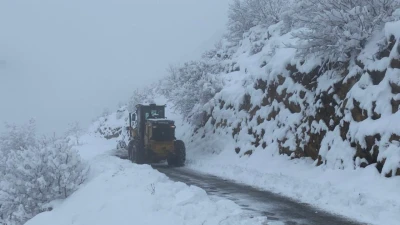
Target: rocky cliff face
(342,116)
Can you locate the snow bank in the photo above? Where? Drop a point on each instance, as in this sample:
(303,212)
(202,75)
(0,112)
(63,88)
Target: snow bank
(120,192)
(360,194)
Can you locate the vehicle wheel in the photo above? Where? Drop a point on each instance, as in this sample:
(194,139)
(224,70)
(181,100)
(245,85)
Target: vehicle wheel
(138,154)
(131,147)
(179,158)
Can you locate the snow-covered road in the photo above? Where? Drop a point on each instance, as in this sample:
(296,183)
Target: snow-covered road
(279,210)
(123,193)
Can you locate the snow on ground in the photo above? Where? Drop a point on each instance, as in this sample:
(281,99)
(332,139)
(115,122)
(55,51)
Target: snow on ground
(120,192)
(361,194)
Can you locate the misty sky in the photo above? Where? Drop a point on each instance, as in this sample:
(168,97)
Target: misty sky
(66,60)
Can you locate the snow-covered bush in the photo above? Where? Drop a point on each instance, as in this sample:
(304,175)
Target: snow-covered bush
(245,14)
(73,133)
(18,137)
(34,173)
(239,20)
(140,96)
(335,30)
(192,85)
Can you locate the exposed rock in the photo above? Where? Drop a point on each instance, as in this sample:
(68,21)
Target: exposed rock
(376,76)
(358,113)
(254,111)
(360,64)
(265,101)
(273,114)
(213,121)
(311,149)
(263,64)
(260,120)
(375,115)
(281,79)
(342,88)
(246,104)
(236,130)
(114,133)
(394,137)
(395,88)
(308,80)
(386,51)
(395,63)
(371,151)
(302,94)
(264,145)
(261,85)
(395,105)
(344,129)
(237,150)
(248,152)
(221,104)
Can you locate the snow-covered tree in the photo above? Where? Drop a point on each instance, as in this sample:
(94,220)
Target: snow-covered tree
(37,176)
(338,29)
(239,20)
(35,172)
(18,137)
(140,96)
(245,14)
(191,85)
(74,132)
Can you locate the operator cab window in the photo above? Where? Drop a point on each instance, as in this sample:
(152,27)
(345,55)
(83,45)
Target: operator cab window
(154,114)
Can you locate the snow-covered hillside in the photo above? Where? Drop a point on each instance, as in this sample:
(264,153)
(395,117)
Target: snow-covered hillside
(276,104)
(342,119)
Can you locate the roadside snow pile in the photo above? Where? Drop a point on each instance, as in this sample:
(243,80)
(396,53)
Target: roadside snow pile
(120,192)
(361,194)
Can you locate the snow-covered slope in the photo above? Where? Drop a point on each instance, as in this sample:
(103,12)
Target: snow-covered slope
(120,192)
(275,108)
(278,103)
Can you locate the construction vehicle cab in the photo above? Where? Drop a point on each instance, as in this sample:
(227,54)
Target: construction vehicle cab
(152,137)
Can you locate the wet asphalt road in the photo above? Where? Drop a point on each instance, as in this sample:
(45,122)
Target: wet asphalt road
(279,210)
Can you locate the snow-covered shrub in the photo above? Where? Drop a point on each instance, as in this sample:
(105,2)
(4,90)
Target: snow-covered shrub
(192,85)
(239,20)
(18,137)
(335,30)
(140,96)
(35,172)
(73,133)
(267,12)
(245,14)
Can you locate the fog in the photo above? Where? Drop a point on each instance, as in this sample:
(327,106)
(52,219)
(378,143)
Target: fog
(67,60)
